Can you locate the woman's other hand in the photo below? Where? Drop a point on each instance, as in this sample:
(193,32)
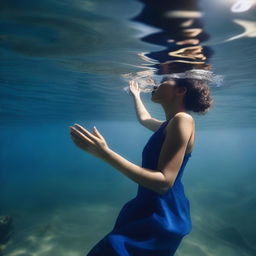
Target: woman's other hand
(93,143)
(134,88)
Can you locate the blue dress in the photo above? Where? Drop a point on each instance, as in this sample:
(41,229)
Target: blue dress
(150,224)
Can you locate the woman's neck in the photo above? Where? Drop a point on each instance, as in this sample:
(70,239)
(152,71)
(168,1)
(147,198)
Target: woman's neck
(172,110)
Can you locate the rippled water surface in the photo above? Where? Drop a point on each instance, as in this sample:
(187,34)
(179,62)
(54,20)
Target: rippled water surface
(63,62)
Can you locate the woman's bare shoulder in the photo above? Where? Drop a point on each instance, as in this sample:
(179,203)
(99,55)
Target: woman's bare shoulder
(182,118)
(184,115)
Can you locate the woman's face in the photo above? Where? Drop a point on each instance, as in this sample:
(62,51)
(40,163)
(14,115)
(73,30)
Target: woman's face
(165,91)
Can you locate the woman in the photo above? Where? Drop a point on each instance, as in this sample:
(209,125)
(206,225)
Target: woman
(155,221)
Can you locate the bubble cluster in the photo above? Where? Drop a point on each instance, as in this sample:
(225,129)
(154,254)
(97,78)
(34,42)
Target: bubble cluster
(201,74)
(147,79)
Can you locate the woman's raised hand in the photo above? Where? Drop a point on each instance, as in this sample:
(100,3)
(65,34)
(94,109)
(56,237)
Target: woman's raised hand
(134,88)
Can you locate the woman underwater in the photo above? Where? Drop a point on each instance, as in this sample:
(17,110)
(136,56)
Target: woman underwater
(155,221)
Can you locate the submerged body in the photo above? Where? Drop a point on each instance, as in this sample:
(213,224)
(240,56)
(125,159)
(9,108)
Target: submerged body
(150,224)
(156,220)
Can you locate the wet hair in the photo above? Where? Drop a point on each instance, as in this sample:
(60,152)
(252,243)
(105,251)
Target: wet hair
(198,96)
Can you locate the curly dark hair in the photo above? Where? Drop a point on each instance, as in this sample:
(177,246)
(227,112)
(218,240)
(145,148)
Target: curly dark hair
(198,96)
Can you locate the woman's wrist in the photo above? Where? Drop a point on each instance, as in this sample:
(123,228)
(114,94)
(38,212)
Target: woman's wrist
(136,95)
(106,154)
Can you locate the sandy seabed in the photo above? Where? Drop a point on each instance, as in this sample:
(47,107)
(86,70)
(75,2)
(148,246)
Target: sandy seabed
(73,231)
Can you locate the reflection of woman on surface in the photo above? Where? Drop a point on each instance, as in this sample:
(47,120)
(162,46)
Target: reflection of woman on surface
(155,221)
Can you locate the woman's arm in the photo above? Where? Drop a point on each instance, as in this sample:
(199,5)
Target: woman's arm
(142,114)
(95,144)
(141,111)
(152,179)
(170,159)
(178,132)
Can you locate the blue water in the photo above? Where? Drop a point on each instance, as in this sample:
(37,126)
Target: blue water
(62,63)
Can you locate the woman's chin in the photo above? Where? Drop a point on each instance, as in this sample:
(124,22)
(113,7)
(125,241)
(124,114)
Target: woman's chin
(152,98)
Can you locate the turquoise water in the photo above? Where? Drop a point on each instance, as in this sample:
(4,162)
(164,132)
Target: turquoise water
(61,63)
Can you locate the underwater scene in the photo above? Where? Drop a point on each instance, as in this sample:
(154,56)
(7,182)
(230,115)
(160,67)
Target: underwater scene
(66,62)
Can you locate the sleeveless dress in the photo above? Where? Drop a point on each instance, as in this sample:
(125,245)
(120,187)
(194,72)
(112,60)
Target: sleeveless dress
(150,224)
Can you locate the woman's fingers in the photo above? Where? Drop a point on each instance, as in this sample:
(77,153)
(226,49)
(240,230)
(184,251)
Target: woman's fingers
(82,138)
(79,128)
(134,85)
(80,144)
(97,133)
(85,132)
(85,146)
(131,83)
(80,134)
